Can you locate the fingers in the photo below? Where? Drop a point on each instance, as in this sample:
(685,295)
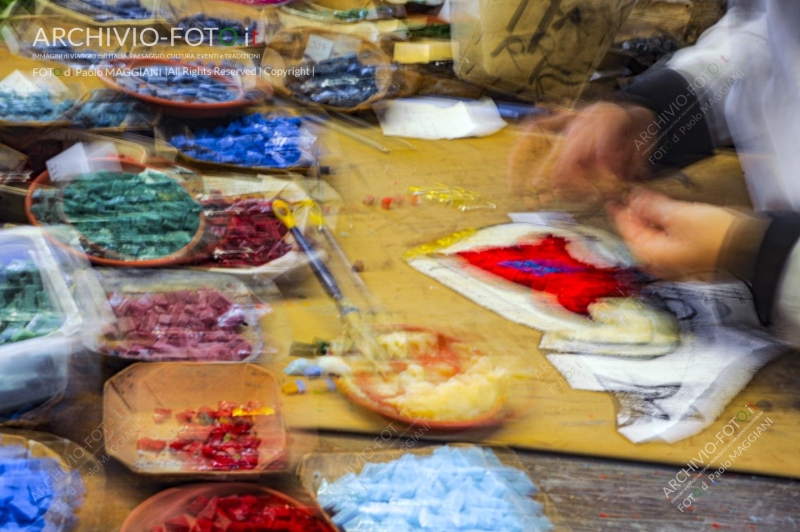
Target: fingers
(525,157)
(654,208)
(552,124)
(639,235)
(615,147)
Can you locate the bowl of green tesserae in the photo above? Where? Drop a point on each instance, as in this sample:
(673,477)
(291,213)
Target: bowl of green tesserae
(139,218)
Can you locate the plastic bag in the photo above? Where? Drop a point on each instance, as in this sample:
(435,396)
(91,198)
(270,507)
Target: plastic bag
(137,217)
(31,100)
(251,241)
(254,141)
(213,23)
(138,12)
(48,312)
(108,110)
(327,69)
(176,315)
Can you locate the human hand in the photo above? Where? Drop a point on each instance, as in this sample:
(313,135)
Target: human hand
(673,238)
(596,156)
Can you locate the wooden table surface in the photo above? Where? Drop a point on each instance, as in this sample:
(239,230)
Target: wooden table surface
(590,494)
(559,420)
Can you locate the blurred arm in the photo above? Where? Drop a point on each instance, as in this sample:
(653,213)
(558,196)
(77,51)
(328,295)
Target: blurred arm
(689,95)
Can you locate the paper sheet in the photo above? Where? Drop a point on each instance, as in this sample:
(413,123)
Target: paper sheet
(439,118)
(673,397)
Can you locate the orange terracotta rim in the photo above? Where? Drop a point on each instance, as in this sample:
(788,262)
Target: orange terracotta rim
(179,257)
(223,107)
(154,503)
(490,419)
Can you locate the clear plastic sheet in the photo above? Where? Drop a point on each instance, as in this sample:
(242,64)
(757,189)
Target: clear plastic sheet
(107,110)
(178,86)
(66,481)
(216,23)
(327,69)
(257,141)
(239,64)
(49,312)
(30,100)
(348,486)
(171,315)
(137,217)
(103,12)
(251,241)
(40,146)
(253,506)
(11,162)
(446,381)
(184,412)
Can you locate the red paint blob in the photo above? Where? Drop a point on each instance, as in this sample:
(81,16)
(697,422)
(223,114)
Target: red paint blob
(548,267)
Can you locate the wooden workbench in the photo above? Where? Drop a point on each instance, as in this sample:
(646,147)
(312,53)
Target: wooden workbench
(564,420)
(589,494)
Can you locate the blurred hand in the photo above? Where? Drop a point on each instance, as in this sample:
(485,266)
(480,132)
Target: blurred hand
(598,153)
(673,238)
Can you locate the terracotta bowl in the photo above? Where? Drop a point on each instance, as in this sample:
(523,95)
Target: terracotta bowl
(179,257)
(176,108)
(492,418)
(173,503)
(134,394)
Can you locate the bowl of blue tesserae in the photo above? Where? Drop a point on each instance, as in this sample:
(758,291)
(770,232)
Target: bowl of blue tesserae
(176,88)
(349,74)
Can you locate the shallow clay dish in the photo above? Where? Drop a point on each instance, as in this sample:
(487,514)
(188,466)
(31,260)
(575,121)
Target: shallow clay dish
(489,419)
(179,257)
(173,502)
(136,392)
(176,108)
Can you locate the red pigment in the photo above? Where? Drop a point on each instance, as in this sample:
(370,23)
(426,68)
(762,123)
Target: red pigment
(191,325)
(216,438)
(548,267)
(246,513)
(249,233)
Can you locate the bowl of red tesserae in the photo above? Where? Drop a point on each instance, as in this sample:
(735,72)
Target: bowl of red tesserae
(234,507)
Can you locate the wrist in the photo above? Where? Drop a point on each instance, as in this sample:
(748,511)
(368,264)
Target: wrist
(741,245)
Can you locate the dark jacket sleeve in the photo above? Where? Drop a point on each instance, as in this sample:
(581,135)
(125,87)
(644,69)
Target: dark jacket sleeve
(772,258)
(679,136)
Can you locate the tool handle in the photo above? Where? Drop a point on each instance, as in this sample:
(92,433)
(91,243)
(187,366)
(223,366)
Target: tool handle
(284,213)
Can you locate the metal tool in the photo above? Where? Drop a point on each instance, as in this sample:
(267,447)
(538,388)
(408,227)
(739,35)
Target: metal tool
(356,328)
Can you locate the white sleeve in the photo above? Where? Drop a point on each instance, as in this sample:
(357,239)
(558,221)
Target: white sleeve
(787,301)
(711,66)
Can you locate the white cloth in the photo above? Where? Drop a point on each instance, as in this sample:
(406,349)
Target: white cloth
(672,397)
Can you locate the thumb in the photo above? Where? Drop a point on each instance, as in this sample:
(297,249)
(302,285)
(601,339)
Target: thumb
(641,238)
(653,208)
